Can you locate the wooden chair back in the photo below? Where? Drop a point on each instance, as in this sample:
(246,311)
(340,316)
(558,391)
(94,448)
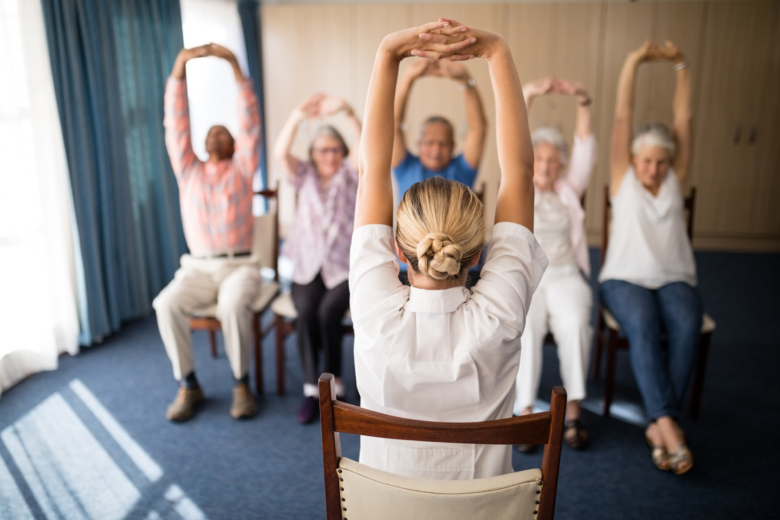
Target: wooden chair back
(689,205)
(540,428)
(265,243)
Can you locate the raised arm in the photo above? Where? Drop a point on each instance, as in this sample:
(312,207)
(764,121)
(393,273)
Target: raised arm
(682,127)
(515,153)
(474,145)
(331,105)
(282,149)
(622,131)
(414,71)
(375,189)
(178,140)
(584,152)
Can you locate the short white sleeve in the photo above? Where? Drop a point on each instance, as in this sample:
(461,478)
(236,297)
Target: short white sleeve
(513,269)
(374,288)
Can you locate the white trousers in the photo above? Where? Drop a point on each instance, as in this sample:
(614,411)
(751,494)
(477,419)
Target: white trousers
(561,304)
(231,283)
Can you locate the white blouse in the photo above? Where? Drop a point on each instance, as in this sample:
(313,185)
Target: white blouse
(450,355)
(649,245)
(552,228)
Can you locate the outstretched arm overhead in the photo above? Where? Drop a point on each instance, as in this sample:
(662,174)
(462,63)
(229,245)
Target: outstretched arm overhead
(622,131)
(415,70)
(176,121)
(515,152)
(682,127)
(306,110)
(474,145)
(375,189)
(331,105)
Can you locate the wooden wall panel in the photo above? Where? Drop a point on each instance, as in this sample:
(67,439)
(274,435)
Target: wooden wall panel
(733,48)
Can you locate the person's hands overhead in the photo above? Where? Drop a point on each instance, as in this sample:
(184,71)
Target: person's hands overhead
(421,41)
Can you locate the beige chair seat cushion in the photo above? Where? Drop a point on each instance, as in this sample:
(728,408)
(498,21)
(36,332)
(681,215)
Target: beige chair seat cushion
(284,306)
(264,296)
(369,493)
(707,323)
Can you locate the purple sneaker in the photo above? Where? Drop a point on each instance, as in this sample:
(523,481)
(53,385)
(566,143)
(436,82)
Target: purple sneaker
(309,410)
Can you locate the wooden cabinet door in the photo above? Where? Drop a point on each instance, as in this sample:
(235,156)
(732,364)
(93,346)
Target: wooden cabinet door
(736,98)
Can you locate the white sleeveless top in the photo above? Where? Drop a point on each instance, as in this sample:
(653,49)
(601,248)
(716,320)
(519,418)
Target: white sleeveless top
(649,245)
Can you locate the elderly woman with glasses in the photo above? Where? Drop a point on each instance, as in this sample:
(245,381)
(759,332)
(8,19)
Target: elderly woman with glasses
(320,240)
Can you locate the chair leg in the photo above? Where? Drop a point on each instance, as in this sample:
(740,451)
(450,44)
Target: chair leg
(609,376)
(258,353)
(595,369)
(280,334)
(213,342)
(698,376)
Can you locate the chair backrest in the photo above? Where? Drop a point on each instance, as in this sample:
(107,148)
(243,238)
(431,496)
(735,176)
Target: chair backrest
(541,428)
(689,204)
(265,243)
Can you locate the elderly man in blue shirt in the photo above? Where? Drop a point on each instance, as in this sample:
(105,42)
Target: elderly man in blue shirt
(437,136)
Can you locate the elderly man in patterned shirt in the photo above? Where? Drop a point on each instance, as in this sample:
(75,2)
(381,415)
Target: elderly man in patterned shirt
(216,210)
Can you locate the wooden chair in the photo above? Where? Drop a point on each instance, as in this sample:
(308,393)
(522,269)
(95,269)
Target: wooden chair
(356,492)
(608,331)
(265,246)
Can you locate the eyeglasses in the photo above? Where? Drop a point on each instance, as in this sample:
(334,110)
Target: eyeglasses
(325,151)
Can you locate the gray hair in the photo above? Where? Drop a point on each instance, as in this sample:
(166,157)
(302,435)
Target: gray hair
(329,131)
(554,138)
(438,120)
(653,134)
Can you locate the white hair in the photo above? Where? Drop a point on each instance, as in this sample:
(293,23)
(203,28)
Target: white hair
(653,134)
(552,137)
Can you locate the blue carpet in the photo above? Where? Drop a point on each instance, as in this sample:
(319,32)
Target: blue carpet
(270,467)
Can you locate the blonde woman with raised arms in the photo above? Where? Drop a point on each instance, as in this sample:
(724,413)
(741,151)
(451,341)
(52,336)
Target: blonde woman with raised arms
(437,351)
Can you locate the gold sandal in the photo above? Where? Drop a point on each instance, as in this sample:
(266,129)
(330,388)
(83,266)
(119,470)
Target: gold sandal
(681,461)
(659,455)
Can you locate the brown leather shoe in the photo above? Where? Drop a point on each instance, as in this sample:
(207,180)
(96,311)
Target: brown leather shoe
(243,405)
(183,407)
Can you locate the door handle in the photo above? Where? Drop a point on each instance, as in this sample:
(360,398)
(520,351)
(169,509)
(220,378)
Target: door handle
(752,135)
(737,134)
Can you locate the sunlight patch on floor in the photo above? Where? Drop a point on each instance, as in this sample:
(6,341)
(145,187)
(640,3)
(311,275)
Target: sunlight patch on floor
(69,474)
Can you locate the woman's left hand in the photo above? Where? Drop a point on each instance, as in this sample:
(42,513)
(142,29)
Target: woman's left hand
(422,41)
(669,52)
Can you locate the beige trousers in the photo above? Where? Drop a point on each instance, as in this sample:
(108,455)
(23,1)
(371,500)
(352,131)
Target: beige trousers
(561,304)
(231,283)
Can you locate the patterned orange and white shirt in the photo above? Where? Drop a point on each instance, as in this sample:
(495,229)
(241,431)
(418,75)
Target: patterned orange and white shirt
(216,199)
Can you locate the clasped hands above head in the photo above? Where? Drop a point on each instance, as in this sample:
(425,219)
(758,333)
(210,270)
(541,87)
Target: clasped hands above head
(446,38)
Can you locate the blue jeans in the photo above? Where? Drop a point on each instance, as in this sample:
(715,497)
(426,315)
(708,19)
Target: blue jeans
(645,316)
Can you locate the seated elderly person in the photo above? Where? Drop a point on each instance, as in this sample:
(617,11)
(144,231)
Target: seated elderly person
(216,210)
(648,281)
(563,301)
(319,243)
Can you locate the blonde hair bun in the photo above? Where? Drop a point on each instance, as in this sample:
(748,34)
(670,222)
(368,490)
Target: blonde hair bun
(441,227)
(439,256)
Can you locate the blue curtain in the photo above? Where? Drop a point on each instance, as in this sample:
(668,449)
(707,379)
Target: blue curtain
(110,60)
(250,23)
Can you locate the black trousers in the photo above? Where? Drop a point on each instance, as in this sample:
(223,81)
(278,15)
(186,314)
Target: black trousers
(318,327)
